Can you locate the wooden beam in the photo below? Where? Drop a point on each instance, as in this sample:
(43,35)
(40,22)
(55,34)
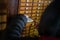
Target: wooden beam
(12,7)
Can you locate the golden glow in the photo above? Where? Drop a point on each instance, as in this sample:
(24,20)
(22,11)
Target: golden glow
(4,18)
(34,9)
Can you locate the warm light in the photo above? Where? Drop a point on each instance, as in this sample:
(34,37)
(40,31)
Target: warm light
(34,9)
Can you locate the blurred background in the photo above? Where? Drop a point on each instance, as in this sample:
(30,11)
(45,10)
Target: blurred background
(32,8)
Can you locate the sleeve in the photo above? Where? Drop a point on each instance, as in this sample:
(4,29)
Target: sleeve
(15,26)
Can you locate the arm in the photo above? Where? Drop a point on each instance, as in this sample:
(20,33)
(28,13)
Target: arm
(15,26)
